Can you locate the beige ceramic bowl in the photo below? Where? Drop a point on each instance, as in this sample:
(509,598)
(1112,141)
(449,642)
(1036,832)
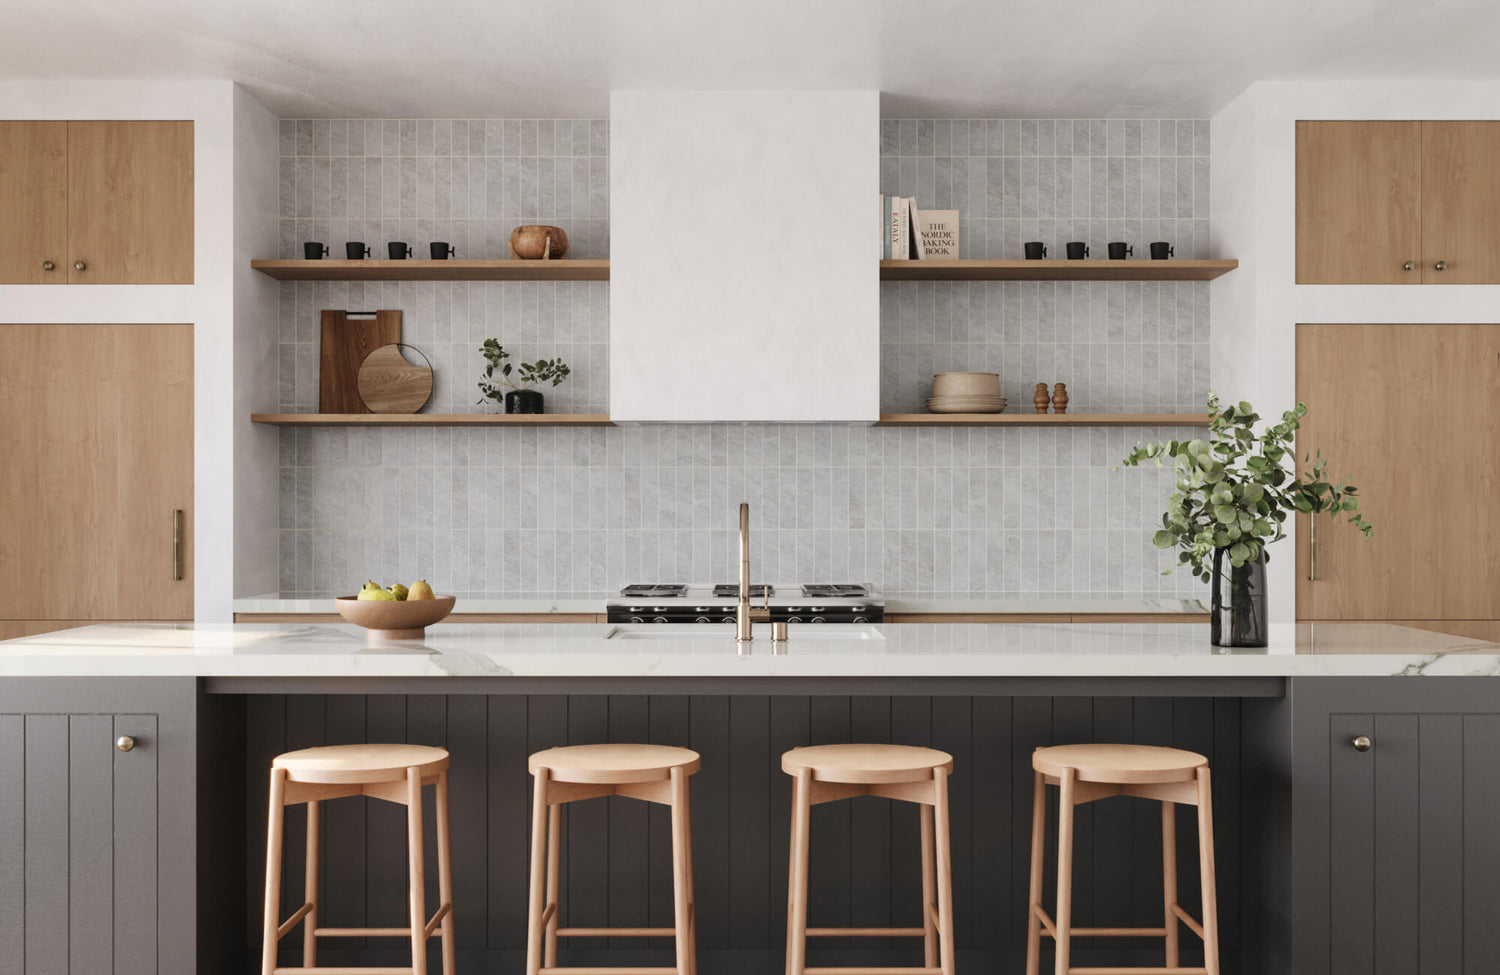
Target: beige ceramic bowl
(397,619)
(965,384)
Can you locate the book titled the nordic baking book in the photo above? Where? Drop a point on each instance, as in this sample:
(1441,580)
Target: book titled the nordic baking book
(938,230)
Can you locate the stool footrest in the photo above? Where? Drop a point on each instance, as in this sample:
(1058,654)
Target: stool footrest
(1137,971)
(609,971)
(905,970)
(866,933)
(341,971)
(616,932)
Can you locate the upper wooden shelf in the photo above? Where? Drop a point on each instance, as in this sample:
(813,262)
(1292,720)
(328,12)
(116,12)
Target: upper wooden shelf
(451,270)
(433,419)
(1044,419)
(1087,270)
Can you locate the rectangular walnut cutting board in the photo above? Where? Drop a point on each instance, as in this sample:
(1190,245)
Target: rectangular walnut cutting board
(347,337)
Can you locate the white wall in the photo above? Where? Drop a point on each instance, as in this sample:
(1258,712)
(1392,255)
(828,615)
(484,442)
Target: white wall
(743,280)
(1256,309)
(208,303)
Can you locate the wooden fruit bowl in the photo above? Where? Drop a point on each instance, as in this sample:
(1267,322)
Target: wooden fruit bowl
(395,619)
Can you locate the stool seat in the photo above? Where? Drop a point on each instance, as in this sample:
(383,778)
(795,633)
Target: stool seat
(1121,764)
(613,764)
(871,764)
(364,763)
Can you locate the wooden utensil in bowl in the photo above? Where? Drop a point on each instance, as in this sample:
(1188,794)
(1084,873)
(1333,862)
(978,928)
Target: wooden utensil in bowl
(404,619)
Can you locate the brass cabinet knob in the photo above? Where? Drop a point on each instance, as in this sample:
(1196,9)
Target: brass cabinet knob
(48,266)
(79,266)
(124,743)
(1440,266)
(1409,266)
(1362,743)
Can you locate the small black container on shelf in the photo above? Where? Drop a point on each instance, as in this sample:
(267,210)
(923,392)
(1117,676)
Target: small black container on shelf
(524,401)
(1119,250)
(1077,250)
(1161,250)
(1237,613)
(1035,250)
(441,250)
(356,250)
(314,250)
(399,250)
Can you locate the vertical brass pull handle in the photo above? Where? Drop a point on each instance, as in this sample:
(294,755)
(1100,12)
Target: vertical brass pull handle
(1312,548)
(176,544)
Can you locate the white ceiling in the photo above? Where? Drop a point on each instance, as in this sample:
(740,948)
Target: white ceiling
(560,58)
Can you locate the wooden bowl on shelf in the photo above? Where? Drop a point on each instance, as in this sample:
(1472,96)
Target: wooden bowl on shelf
(946,384)
(404,619)
(538,242)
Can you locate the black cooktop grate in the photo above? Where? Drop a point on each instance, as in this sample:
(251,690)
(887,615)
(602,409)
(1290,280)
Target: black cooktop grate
(644,590)
(836,590)
(731,590)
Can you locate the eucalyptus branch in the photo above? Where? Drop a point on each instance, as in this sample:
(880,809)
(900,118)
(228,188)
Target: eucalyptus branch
(497,372)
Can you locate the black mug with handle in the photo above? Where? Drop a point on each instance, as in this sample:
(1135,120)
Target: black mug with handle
(399,250)
(1119,250)
(1161,250)
(1035,250)
(442,250)
(1077,250)
(356,250)
(314,250)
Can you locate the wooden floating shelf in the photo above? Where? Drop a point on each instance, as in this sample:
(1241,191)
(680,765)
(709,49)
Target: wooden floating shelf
(1043,419)
(452,270)
(433,419)
(1050,270)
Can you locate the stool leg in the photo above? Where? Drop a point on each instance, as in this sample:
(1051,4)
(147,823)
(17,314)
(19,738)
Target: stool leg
(1169,879)
(1206,868)
(929,891)
(310,885)
(274,816)
(445,874)
(1064,918)
(1038,853)
(539,818)
(681,910)
(796,936)
(417,878)
(944,871)
(554,883)
(687,817)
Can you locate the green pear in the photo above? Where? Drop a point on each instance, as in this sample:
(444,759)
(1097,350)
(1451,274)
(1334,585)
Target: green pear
(398,590)
(377,595)
(420,590)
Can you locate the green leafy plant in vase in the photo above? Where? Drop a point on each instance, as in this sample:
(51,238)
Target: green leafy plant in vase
(518,396)
(1235,491)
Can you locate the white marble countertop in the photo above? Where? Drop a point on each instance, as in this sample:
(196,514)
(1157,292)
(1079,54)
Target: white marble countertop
(604,650)
(545,605)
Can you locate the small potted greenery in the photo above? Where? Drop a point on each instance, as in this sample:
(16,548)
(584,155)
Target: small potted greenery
(518,396)
(1234,493)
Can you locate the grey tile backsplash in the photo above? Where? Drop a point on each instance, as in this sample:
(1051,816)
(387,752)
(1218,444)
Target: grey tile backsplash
(579,512)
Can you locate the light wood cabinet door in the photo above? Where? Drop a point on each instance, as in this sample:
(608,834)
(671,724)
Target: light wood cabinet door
(98,456)
(1461,202)
(1409,414)
(1359,202)
(34,202)
(130,202)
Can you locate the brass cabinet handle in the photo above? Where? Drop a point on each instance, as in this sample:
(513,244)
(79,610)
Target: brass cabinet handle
(176,544)
(1440,266)
(79,266)
(125,743)
(1312,548)
(48,266)
(1409,266)
(1362,743)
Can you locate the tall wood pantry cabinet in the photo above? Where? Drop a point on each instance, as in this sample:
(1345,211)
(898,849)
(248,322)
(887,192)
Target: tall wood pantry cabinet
(96,202)
(1403,202)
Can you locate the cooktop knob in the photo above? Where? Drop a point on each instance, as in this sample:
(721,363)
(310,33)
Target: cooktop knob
(860,619)
(636,619)
(819,619)
(794,619)
(659,619)
(703,619)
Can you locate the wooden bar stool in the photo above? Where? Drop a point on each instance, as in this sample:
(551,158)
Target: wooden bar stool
(826,773)
(1084,773)
(395,773)
(653,773)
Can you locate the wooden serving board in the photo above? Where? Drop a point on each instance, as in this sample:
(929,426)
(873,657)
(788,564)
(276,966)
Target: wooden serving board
(388,383)
(347,338)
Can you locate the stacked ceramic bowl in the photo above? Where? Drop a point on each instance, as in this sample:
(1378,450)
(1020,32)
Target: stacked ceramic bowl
(966,392)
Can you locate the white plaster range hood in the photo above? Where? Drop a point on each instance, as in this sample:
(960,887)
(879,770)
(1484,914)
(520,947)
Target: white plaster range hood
(743,276)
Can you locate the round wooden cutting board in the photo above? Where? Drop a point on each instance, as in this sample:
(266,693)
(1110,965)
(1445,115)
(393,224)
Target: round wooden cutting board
(388,383)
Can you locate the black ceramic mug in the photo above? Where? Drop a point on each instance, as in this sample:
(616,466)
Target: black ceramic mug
(399,250)
(1077,250)
(1161,250)
(314,250)
(356,250)
(441,250)
(1035,250)
(1119,250)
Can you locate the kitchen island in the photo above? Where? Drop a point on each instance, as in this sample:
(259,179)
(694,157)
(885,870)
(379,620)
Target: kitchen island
(1411,857)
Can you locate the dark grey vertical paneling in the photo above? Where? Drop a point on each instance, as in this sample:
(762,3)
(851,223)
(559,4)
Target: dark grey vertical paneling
(1192,729)
(385,825)
(911,724)
(265,738)
(12,845)
(586,836)
(1440,838)
(708,732)
(91,831)
(870,889)
(305,728)
(508,816)
(1397,758)
(1481,873)
(990,840)
(830,852)
(790,727)
(427,724)
(1228,836)
(467,781)
(136,847)
(344,840)
(1031,728)
(1351,846)
(952,732)
(629,720)
(751,765)
(47,844)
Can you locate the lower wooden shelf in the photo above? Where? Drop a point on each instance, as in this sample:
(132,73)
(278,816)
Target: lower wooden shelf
(433,419)
(1043,419)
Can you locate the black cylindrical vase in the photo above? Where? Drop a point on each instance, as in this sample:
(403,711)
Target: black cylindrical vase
(1238,612)
(523,401)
